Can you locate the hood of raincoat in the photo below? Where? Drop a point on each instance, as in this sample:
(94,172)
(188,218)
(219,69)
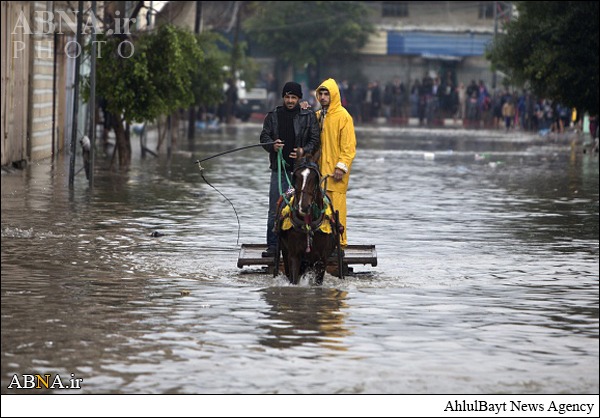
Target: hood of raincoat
(334,94)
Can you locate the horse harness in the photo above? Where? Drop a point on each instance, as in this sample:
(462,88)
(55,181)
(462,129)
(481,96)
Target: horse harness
(316,218)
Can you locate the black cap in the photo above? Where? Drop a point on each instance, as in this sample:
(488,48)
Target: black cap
(291,87)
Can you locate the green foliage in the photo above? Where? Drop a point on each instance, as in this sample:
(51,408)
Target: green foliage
(153,79)
(174,57)
(552,47)
(301,33)
(246,68)
(208,79)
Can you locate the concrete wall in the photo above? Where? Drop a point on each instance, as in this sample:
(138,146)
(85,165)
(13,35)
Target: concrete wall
(41,86)
(452,15)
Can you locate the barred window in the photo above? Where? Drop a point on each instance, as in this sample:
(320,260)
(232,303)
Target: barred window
(394,9)
(486,9)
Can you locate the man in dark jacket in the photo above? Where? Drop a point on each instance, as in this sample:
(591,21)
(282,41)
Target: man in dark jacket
(296,132)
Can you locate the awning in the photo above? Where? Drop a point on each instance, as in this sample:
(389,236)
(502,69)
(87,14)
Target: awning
(437,45)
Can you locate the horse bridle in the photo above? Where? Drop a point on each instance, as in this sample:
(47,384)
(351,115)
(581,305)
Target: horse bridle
(307,224)
(313,167)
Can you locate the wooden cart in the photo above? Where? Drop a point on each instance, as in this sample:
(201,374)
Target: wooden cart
(251,255)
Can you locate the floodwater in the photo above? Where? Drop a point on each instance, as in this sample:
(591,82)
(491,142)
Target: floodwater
(486,282)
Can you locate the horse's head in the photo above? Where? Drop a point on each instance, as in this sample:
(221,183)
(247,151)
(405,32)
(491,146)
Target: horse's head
(304,244)
(307,183)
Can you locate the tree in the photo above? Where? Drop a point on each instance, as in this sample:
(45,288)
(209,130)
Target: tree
(304,33)
(148,78)
(208,80)
(553,48)
(240,65)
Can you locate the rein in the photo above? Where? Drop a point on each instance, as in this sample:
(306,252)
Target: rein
(281,166)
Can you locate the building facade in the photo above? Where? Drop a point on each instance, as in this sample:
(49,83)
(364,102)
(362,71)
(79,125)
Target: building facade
(414,39)
(38,51)
(434,38)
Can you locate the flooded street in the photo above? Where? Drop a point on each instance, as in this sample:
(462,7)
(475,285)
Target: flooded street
(486,282)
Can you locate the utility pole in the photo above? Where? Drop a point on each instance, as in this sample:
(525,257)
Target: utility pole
(231,99)
(501,10)
(76,98)
(495,34)
(92,100)
(192,111)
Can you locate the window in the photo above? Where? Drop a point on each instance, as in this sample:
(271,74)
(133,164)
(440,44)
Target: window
(486,9)
(394,9)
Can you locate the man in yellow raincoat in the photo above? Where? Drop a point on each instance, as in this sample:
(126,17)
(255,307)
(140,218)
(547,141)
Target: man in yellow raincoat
(338,147)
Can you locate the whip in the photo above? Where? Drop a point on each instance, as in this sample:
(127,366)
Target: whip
(226,198)
(234,150)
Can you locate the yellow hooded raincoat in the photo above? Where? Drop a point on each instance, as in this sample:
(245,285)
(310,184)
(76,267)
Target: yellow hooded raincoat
(338,149)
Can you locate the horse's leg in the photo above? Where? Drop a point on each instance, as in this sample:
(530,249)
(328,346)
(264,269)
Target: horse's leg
(319,269)
(294,269)
(286,262)
(322,246)
(304,265)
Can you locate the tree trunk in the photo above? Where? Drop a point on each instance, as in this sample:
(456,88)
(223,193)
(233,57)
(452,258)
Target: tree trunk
(123,144)
(175,129)
(191,123)
(162,133)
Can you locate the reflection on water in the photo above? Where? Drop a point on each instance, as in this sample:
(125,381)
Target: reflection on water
(487,275)
(300,315)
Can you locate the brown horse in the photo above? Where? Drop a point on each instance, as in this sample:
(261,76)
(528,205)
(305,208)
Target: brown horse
(307,229)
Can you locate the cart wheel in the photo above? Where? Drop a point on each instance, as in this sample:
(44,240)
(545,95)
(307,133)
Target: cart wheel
(338,238)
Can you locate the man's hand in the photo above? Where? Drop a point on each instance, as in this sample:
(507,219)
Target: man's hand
(338,174)
(304,105)
(297,153)
(278,145)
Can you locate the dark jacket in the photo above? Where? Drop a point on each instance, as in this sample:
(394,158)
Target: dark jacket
(306,129)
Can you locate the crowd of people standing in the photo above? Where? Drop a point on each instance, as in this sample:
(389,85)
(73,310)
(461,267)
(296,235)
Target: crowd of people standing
(431,100)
